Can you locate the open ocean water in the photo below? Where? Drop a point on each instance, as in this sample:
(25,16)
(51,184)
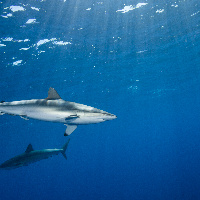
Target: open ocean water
(139,60)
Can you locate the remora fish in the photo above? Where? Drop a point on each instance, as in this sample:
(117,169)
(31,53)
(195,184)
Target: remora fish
(31,156)
(55,109)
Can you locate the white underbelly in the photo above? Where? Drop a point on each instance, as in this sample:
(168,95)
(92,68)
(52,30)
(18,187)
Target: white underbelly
(46,114)
(84,120)
(52,114)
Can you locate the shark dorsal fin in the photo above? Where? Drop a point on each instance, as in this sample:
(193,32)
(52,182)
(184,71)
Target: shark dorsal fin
(29,148)
(52,94)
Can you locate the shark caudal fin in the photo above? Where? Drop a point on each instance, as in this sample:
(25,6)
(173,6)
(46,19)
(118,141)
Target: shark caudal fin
(64,149)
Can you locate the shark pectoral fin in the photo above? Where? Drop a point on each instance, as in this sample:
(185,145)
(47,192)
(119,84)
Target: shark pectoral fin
(70,129)
(24,117)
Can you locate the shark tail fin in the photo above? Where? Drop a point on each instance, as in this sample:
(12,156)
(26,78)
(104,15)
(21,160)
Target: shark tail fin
(64,149)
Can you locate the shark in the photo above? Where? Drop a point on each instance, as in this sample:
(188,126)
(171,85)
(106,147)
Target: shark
(55,109)
(31,156)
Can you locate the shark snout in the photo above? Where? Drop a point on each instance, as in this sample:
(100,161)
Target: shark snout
(109,117)
(113,116)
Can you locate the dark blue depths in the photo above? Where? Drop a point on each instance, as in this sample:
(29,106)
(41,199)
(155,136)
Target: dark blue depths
(136,59)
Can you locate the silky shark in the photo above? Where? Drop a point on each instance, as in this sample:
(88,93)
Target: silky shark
(31,156)
(55,109)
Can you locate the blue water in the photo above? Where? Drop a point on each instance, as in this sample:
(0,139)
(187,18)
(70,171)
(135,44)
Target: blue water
(139,60)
